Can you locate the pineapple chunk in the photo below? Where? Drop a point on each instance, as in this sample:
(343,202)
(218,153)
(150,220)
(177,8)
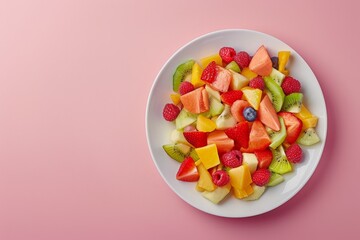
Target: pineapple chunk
(208,155)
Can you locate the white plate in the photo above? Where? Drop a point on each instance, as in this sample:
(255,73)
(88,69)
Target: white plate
(158,130)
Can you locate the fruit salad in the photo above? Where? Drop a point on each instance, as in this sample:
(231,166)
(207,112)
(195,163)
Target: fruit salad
(239,121)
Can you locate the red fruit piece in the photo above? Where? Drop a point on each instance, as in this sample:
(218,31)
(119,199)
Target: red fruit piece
(294,153)
(170,112)
(185,87)
(264,158)
(232,159)
(197,139)
(293,126)
(187,171)
(240,133)
(209,73)
(227,54)
(257,82)
(242,59)
(261,177)
(290,85)
(220,178)
(231,96)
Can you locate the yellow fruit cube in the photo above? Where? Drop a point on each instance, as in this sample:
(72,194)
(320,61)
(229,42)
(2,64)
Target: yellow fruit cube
(204,124)
(206,60)
(205,182)
(308,119)
(240,179)
(208,155)
(304,113)
(175,98)
(196,76)
(248,73)
(253,96)
(283,57)
(310,122)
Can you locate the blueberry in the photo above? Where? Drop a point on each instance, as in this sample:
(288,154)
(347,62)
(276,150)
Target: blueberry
(250,114)
(275,62)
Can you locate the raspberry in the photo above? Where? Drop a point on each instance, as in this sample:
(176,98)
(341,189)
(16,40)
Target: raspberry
(257,82)
(242,59)
(185,87)
(290,85)
(220,178)
(294,153)
(170,112)
(227,54)
(261,177)
(232,159)
(209,73)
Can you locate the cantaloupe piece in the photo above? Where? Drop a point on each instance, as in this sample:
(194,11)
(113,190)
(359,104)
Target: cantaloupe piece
(261,62)
(205,182)
(221,140)
(208,155)
(196,101)
(237,109)
(267,114)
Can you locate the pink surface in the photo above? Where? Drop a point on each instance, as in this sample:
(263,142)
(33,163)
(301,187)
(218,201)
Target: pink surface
(74,81)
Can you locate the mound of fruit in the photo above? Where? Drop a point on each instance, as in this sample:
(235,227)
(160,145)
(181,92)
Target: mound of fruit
(239,123)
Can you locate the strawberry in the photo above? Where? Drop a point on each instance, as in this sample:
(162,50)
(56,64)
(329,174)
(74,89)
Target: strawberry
(264,158)
(209,73)
(196,138)
(242,59)
(187,171)
(257,82)
(170,112)
(231,96)
(290,85)
(293,126)
(185,87)
(294,153)
(227,54)
(240,133)
(232,159)
(261,177)
(220,178)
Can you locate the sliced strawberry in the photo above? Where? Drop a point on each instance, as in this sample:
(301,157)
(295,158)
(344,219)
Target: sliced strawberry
(187,171)
(264,158)
(293,126)
(259,139)
(240,133)
(209,73)
(197,139)
(231,96)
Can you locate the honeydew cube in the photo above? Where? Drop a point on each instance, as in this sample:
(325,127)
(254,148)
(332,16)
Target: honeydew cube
(177,136)
(212,92)
(238,81)
(218,194)
(208,155)
(205,182)
(251,161)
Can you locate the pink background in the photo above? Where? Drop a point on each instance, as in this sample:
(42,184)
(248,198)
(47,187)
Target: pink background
(74,81)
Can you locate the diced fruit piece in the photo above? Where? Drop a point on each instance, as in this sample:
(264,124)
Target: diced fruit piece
(238,81)
(187,171)
(175,98)
(258,192)
(225,119)
(264,158)
(246,72)
(231,96)
(208,155)
(253,96)
(240,180)
(196,138)
(275,179)
(293,102)
(209,73)
(218,194)
(243,193)
(182,72)
(261,62)
(177,151)
(293,126)
(277,76)
(205,124)
(280,164)
(290,85)
(185,87)
(196,101)
(194,155)
(242,59)
(232,159)
(259,139)
(267,114)
(275,62)
(294,153)
(221,140)
(205,180)
(216,107)
(233,66)
(308,119)
(304,113)
(240,133)
(250,114)
(220,178)
(251,160)
(283,57)
(261,177)
(170,112)
(227,54)
(310,122)
(277,137)
(212,92)
(237,109)
(257,82)
(206,60)
(184,119)
(196,76)
(177,136)
(308,137)
(275,93)
(222,80)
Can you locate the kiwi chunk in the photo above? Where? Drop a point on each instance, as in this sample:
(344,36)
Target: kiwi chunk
(233,66)
(275,93)
(177,151)
(293,102)
(277,76)
(280,163)
(275,179)
(308,137)
(182,72)
(277,137)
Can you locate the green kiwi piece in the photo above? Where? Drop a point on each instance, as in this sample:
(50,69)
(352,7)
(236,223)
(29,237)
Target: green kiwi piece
(193,154)
(177,151)
(184,119)
(308,137)
(292,102)
(233,66)
(275,93)
(277,137)
(181,73)
(280,164)
(277,76)
(275,179)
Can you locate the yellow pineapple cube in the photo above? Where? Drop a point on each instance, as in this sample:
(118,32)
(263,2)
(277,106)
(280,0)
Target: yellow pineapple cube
(204,124)
(206,60)
(308,119)
(208,155)
(205,182)
(175,98)
(196,76)
(253,96)
(240,177)
(246,72)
